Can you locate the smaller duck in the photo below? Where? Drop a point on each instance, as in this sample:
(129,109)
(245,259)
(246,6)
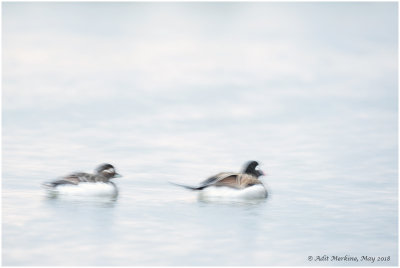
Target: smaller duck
(245,184)
(85,183)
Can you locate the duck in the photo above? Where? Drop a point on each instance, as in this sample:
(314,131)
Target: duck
(81,183)
(245,184)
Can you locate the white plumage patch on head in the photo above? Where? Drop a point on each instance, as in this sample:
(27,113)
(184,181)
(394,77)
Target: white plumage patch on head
(109,170)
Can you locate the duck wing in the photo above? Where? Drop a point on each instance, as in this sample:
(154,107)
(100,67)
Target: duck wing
(221,179)
(74,178)
(247,180)
(234,180)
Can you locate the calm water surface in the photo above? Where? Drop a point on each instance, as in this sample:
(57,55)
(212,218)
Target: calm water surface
(154,223)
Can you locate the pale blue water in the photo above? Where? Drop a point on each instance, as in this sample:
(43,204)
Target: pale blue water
(179,92)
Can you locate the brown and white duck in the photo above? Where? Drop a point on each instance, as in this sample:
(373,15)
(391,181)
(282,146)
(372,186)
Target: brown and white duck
(82,183)
(245,184)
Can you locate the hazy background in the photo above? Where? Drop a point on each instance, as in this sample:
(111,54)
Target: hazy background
(179,91)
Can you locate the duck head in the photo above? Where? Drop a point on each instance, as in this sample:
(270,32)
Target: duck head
(250,168)
(107,171)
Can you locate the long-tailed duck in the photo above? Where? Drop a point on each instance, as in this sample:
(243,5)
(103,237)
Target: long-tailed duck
(80,183)
(245,184)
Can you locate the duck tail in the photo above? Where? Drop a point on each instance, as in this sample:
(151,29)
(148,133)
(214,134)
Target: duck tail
(47,185)
(194,188)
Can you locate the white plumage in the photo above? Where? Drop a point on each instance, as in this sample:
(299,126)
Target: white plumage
(84,189)
(253,192)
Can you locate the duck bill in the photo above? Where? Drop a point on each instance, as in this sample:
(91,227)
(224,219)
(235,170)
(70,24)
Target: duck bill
(117,175)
